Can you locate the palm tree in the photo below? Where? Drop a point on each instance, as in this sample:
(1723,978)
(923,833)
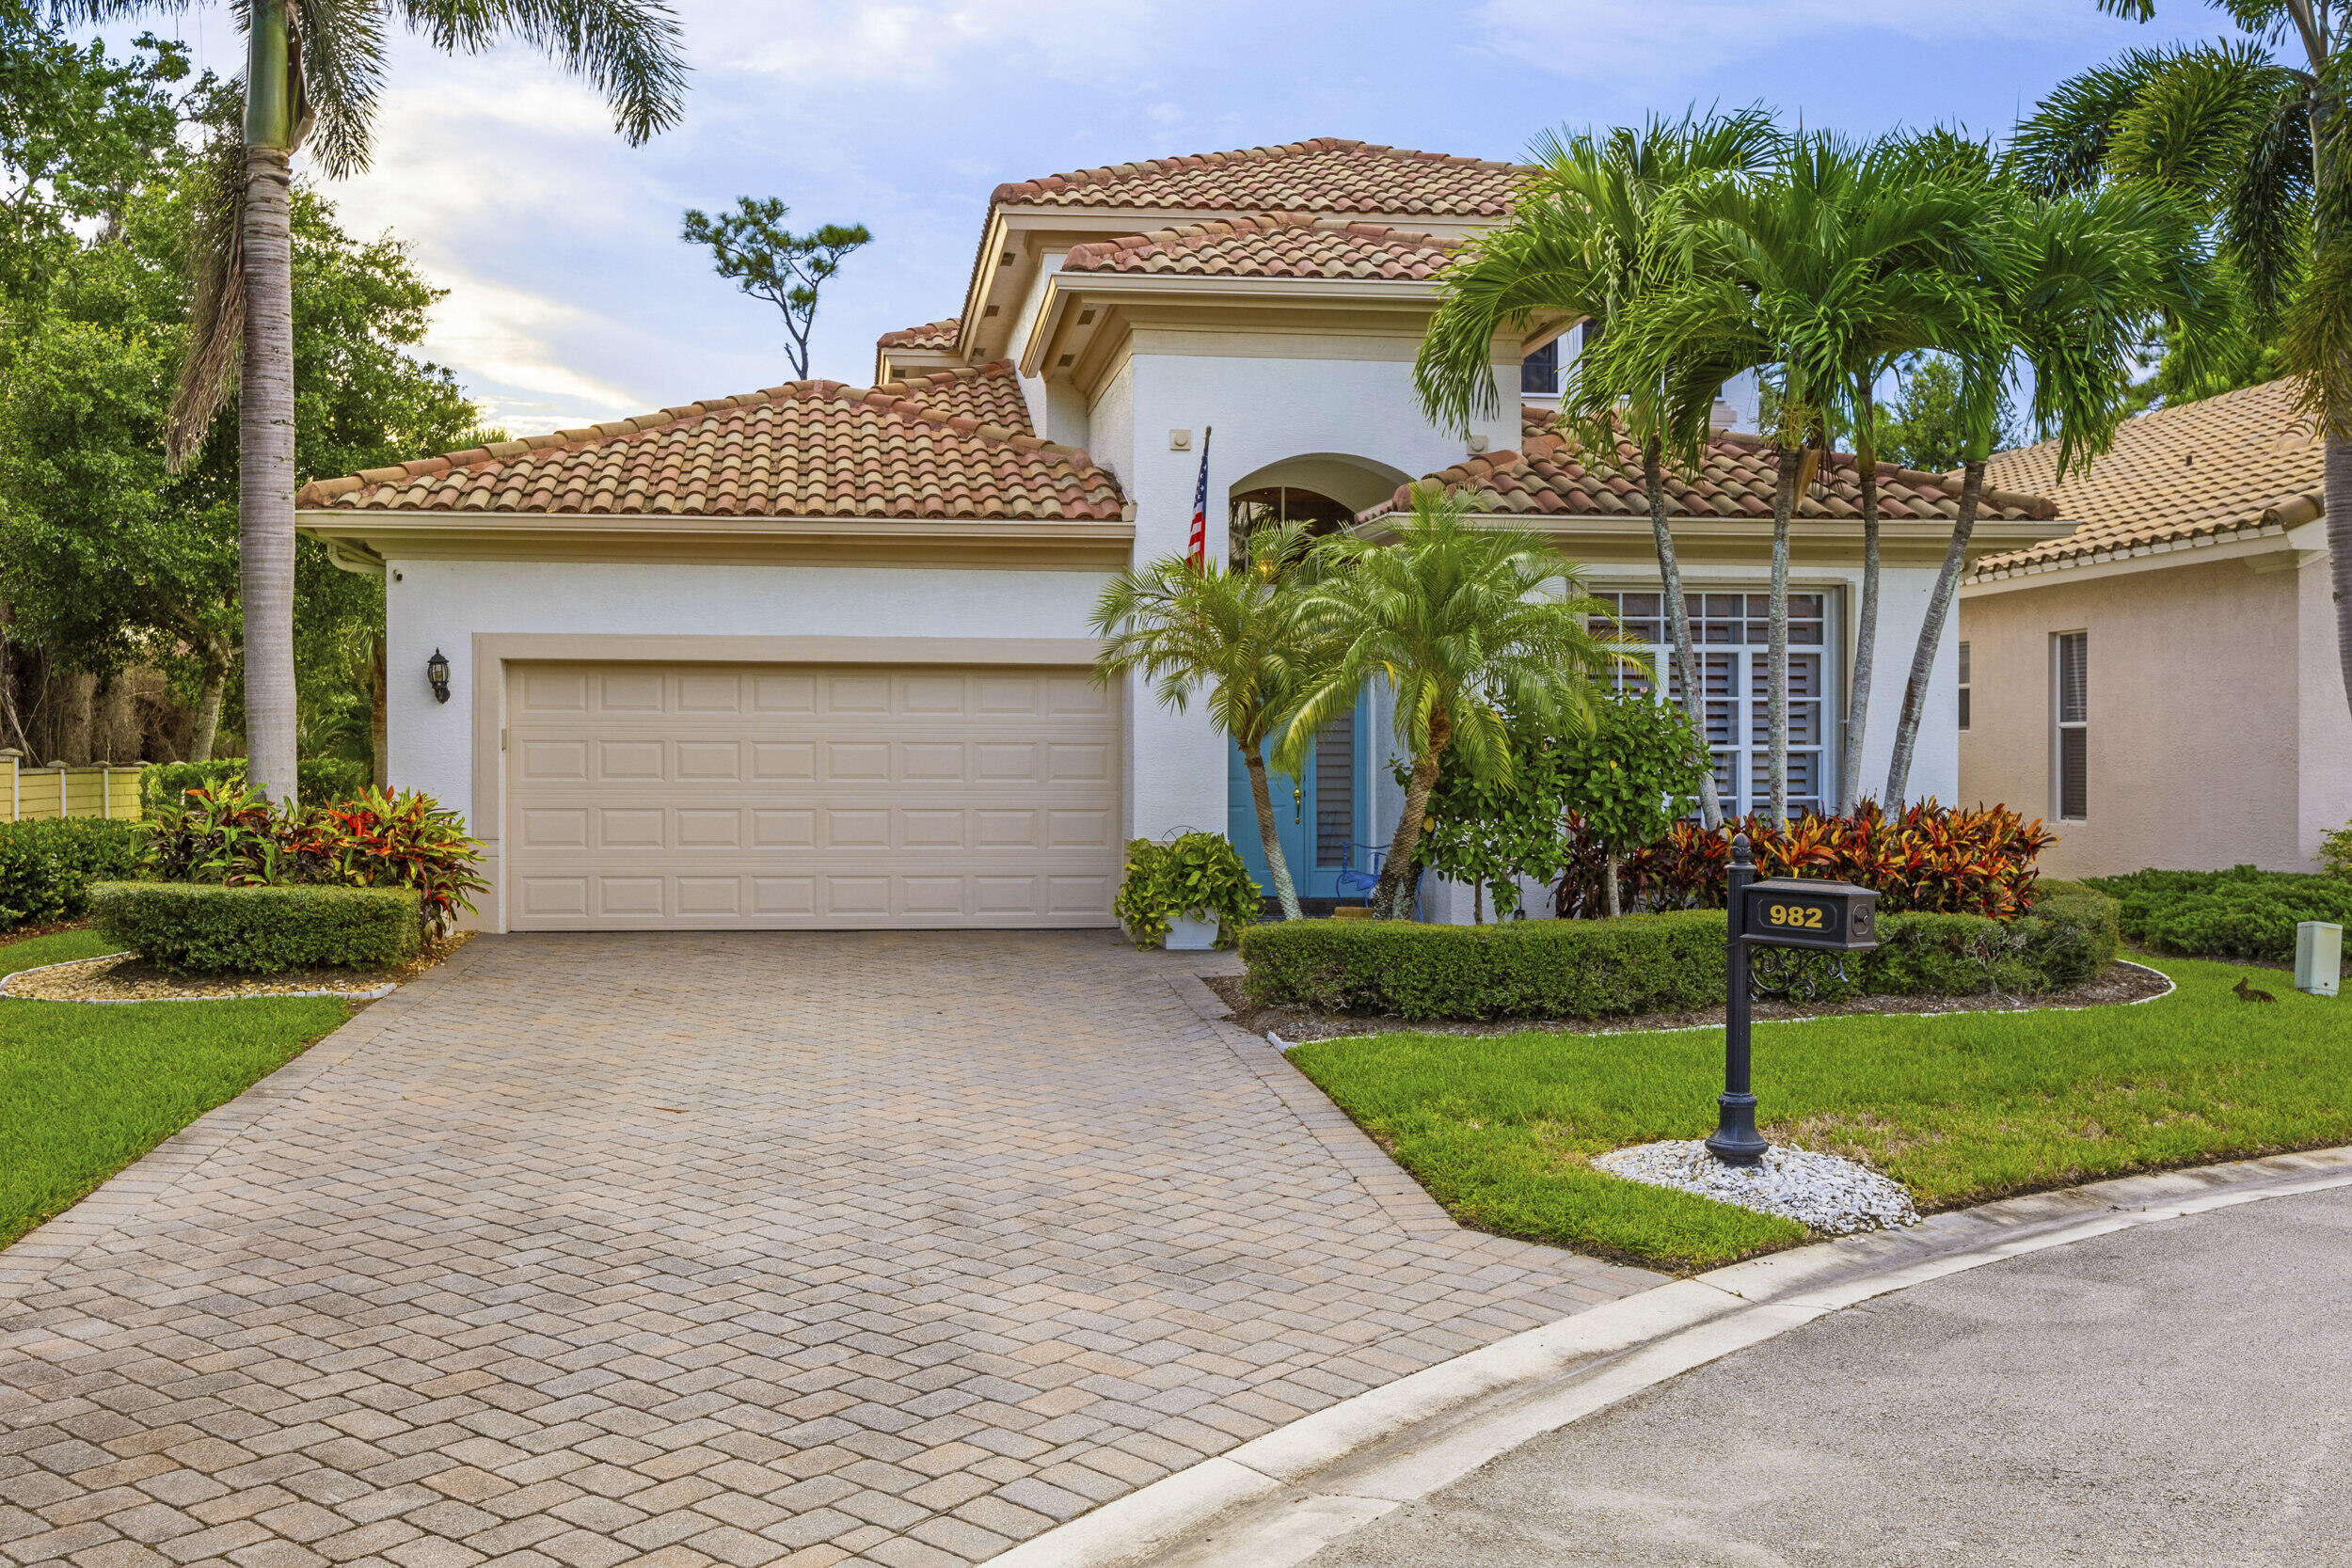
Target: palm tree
(2074,286)
(1459,621)
(1819,273)
(1579,244)
(316,67)
(2253,130)
(1239,630)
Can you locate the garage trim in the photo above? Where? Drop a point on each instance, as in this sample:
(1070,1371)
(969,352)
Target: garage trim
(494,651)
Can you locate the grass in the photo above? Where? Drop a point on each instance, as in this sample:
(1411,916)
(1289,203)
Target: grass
(85,1090)
(1960,1109)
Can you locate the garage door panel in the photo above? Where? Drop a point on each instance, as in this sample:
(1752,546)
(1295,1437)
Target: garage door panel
(631,692)
(781,795)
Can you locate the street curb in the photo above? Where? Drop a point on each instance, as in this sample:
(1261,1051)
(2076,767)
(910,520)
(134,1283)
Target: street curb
(1279,1498)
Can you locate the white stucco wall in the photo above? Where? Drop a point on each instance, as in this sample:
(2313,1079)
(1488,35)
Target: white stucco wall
(441,604)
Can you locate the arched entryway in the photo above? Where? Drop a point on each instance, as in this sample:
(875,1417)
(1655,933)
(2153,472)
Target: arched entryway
(1322,816)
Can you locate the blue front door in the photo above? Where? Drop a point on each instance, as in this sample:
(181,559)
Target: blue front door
(1314,815)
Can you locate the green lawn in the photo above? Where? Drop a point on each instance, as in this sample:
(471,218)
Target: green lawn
(1959,1108)
(85,1090)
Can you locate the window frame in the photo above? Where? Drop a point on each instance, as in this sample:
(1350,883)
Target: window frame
(2060,726)
(1966,703)
(1748,663)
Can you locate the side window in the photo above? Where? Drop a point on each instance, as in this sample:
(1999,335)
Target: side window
(1539,372)
(2069,710)
(1963,686)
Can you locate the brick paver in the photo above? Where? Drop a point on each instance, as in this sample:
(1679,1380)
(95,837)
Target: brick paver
(743,1249)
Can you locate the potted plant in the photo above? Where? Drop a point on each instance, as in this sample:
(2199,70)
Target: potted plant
(1187,893)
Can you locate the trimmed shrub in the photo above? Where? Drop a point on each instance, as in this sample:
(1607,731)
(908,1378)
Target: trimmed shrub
(260,930)
(318,780)
(46,868)
(2239,914)
(1654,963)
(1639,963)
(233,835)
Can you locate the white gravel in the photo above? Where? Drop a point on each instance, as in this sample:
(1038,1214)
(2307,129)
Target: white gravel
(1830,1196)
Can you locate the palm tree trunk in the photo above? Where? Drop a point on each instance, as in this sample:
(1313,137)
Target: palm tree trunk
(1678,623)
(1931,632)
(1865,637)
(1405,842)
(1776,648)
(2338,486)
(205,724)
(379,718)
(265,411)
(1261,797)
(1615,906)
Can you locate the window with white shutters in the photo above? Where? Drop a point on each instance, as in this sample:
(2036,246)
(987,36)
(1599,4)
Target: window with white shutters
(2069,707)
(1729,634)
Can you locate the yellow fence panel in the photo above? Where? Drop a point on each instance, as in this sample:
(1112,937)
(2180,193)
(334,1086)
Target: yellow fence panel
(40,794)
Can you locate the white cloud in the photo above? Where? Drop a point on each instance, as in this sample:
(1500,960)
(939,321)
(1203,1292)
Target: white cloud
(824,46)
(1661,42)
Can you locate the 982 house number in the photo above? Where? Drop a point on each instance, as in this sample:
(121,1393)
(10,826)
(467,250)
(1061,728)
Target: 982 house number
(1794,916)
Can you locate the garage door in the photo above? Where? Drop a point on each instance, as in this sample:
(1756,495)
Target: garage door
(715,795)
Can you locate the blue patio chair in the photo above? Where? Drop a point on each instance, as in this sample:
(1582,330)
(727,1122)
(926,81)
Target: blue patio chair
(1351,880)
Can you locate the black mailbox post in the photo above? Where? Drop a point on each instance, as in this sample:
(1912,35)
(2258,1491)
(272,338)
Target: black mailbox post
(1830,917)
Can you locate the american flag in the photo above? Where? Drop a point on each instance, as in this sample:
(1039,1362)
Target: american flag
(1199,554)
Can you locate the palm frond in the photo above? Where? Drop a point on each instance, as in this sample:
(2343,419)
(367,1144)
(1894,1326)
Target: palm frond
(216,298)
(630,50)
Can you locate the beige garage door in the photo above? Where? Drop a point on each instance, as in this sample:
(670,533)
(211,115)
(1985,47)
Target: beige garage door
(795,795)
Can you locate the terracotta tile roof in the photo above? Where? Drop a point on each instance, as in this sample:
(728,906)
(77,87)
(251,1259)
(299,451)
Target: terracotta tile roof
(1273,245)
(2206,470)
(1324,175)
(1545,477)
(940,446)
(939,334)
(990,393)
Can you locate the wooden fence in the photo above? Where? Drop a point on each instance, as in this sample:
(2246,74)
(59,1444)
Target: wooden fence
(30,793)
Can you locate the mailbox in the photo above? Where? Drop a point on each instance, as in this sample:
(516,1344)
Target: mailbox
(1835,917)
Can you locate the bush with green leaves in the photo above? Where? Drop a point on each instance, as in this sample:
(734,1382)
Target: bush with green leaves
(212,928)
(1632,779)
(1192,874)
(2335,853)
(46,867)
(236,836)
(319,780)
(1654,963)
(2239,914)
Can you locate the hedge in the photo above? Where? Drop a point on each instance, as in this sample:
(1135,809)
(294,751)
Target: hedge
(191,926)
(46,868)
(2239,914)
(1651,963)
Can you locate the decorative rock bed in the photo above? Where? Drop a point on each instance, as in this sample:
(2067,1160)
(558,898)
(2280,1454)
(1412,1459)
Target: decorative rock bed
(1822,1192)
(123,979)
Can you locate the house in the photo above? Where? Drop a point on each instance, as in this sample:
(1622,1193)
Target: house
(2161,685)
(819,654)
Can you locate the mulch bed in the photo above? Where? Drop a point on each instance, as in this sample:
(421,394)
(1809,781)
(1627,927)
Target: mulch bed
(123,977)
(2120,983)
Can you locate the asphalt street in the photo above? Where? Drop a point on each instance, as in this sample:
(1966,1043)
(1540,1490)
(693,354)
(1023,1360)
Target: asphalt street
(2174,1394)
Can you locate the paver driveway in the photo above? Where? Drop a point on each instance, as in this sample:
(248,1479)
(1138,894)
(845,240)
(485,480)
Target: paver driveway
(744,1248)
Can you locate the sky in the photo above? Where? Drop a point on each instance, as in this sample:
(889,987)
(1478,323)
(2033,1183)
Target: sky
(572,300)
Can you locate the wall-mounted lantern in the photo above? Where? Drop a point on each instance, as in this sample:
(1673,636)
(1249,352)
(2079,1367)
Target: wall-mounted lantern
(437,675)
